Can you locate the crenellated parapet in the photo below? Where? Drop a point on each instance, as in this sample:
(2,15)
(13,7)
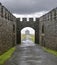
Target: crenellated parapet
(24,19)
(31,19)
(7,29)
(51,15)
(6,14)
(28,19)
(48,29)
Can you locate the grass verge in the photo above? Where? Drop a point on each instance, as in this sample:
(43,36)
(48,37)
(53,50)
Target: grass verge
(6,55)
(50,51)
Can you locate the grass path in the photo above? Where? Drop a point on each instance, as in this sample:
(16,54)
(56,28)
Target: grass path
(50,51)
(6,55)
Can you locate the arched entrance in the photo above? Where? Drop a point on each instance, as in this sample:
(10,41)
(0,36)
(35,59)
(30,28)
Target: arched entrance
(28,33)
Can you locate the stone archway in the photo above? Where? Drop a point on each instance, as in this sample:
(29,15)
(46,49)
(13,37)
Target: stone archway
(22,24)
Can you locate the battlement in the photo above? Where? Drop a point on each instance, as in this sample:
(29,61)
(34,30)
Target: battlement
(31,19)
(28,19)
(6,14)
(24,19)
(51,15)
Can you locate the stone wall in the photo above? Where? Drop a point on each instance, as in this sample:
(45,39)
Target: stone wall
(48,29)
(7,29)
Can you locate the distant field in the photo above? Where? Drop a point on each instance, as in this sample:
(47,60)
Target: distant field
(32,37)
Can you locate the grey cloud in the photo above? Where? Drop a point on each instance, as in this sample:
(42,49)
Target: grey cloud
(29,6)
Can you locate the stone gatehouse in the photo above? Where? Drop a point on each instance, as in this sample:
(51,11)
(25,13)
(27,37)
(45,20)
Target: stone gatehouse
(10,29)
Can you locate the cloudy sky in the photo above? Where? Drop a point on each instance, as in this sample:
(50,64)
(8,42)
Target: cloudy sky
(29,8)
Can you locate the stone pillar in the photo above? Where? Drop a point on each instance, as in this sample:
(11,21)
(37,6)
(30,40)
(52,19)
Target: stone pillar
(1,11)
(18,37)
(37,37)
(9,16)
(18,31)
(4,12)
(37,31)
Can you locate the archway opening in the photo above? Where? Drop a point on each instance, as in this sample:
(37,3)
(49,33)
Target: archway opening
(28,33)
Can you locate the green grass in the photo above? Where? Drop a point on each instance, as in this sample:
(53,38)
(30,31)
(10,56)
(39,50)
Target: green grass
(6,55)
(23,36)
(51,51)
(33,38)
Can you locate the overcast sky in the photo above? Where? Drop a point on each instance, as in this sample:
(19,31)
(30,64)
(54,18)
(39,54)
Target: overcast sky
(29,8)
